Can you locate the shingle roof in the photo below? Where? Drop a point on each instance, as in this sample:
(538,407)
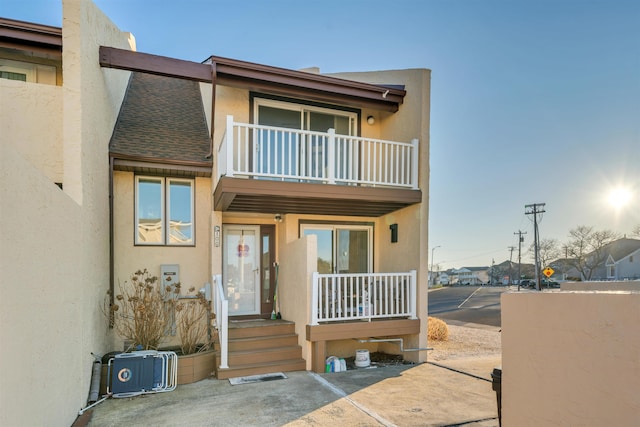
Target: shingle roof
(161,119)
(622,247)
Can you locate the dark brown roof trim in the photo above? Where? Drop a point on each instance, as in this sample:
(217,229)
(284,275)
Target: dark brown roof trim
(160,160)
(231,72)
(161,168)
(16,34)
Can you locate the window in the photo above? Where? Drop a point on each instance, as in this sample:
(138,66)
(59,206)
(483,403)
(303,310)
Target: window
(164,211)
(27,72)
(342,248)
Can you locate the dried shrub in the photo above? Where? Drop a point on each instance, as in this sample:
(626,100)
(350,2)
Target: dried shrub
(193,321)
(144,313)
(437,330)
(140,311)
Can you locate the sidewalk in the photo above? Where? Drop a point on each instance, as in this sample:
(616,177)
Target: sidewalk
(428,394)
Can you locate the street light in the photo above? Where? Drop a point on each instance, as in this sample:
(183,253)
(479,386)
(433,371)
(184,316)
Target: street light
(432,274)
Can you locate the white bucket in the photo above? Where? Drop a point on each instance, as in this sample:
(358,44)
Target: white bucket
(362,358)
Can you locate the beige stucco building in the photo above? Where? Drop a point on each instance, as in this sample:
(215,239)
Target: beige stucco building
(316,183)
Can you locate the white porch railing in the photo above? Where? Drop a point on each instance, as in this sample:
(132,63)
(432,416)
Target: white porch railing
(221,310)
(268,152)
(340,297)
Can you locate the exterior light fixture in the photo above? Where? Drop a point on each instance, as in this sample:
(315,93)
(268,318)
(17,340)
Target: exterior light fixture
(394,233)
(371,120)
(277,218)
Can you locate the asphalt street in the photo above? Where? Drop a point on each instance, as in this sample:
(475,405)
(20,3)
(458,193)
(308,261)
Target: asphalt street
(467,304)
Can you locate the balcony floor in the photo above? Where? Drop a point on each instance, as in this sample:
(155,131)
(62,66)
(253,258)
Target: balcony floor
(266,196)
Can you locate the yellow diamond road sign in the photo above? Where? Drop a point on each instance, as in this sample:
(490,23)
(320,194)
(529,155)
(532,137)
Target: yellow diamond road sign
(548,272)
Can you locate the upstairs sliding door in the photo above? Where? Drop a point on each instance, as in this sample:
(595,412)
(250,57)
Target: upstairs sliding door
(290,154)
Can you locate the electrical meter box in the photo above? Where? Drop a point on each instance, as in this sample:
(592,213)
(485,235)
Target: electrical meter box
(169,274)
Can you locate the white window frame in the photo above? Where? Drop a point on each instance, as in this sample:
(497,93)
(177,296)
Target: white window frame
(165,210)
(304,109)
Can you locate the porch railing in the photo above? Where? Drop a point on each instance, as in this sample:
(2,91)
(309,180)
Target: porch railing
(267,152)
(341,297)
(221,311)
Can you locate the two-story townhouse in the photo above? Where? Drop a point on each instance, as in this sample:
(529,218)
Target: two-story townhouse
(249,177)
(315,187)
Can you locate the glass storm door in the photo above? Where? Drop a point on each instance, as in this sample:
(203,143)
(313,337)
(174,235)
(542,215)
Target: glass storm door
(241,268)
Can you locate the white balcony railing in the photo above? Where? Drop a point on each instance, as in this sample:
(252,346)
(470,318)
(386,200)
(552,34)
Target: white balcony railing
(221,311)
(341,297)
(268,152)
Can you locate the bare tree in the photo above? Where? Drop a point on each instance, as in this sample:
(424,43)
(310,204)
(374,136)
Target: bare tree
(636,231)
(548,250)
(585,249)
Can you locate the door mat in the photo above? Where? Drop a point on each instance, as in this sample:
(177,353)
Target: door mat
(257,378)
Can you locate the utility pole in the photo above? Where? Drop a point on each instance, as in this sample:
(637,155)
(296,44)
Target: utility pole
(433,276)
(535,209)
(520,240)
(511,249)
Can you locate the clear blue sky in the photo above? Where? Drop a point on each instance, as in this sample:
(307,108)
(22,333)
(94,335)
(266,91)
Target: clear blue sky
(533,101)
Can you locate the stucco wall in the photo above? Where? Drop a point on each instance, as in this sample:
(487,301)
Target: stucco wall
(411,121)
(56,243)
(32,124)
(570,358)
(40,305)
(91,99)
(298,261)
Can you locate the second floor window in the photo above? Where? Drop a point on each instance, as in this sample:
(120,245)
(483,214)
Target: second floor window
(164,211)
(27,72)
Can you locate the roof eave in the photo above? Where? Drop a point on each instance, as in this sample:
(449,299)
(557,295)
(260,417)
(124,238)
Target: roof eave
(253,76)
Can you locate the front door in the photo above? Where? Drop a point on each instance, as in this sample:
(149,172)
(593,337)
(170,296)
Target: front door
(249,269)
(241,268)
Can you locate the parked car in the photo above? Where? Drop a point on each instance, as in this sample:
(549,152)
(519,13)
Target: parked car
(544,283)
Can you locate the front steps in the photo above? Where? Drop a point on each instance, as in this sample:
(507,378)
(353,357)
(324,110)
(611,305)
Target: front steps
(261,347)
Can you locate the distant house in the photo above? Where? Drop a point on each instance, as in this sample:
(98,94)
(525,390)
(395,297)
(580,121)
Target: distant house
(470,276)
(622,262)
(443,278)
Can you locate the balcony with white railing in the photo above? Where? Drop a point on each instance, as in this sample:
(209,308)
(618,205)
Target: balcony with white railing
(292,155)
(367,296)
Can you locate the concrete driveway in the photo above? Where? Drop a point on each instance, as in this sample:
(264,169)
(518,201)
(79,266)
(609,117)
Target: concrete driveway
(447,394)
